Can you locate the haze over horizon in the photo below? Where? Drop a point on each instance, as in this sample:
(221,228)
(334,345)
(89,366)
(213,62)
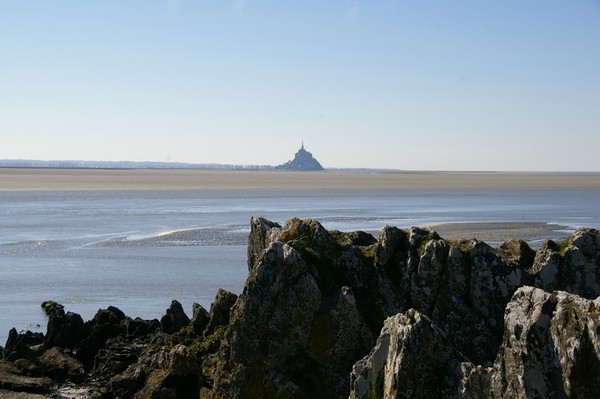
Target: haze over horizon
(437,85)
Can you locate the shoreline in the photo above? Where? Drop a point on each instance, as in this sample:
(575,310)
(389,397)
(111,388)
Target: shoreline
(24,179)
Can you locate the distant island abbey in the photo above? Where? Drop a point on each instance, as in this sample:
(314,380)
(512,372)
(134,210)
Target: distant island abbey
(303,161)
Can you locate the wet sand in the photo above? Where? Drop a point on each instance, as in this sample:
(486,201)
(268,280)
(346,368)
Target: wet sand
(501,231)
(186,179)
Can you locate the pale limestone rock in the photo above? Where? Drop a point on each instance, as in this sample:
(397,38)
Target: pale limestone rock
(410,360)
(551,346)
(261,234)
(580,271)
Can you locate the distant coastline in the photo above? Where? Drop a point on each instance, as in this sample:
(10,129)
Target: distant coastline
(68,164)
(76,164)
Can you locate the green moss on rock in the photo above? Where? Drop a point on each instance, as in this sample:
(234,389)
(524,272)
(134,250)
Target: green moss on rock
(210,344)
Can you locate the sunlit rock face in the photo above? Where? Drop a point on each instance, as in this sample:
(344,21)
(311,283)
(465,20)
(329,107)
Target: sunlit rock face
(550,348)
(316,299)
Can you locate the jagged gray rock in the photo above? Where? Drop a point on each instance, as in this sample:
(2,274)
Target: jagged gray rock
(411,359)
(580,271)
(462,287)
(174,373)
(573,266)
(297,323)
(59,365)
(199,321)
(219,310)
(261,235)
(27,345)
(65,330)
(174,319)
(551,348)
(12,379)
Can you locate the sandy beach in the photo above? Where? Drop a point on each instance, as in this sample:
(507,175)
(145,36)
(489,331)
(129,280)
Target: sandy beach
(198,179)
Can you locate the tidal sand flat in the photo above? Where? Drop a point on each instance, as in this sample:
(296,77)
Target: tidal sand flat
(494,232)
(200,179)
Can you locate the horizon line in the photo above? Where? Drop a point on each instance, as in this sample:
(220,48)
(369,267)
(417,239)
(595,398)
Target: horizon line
(81,164)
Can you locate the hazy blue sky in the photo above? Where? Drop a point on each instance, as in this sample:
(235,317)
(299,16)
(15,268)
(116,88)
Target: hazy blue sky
(444,85)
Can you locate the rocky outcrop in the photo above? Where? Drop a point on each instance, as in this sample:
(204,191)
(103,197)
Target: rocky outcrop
(65,330)
(411,359)
(219,310)
(551,348)
(175,319)
(298,321)
(337,314)
(546,335)
(114,356)
(12,378)
(315,299)
(27,345)
(165,368)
